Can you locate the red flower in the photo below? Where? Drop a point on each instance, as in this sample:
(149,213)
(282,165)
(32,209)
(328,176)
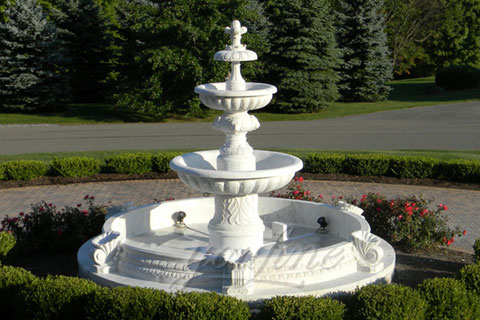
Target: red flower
(379,200)
(400,217)
(21,214)
(300,179)
(320,196)
(86,197)
(464,232)
(333,196)
(445,208)
(41,209)
(50,204)
(92,198)
(378,209)
(79,205)
(449,242)
(85,212)
(296,192)
(444,239)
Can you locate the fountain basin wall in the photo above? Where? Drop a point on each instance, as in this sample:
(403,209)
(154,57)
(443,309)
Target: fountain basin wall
(143,248)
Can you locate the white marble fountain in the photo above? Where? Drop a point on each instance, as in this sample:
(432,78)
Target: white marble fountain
(236,242)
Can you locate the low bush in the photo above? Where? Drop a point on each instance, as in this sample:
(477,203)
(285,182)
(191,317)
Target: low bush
(412,167)
(207,306)
(459,170)
(7,242)
(302,308)
(407,221)
(47,229)
(2,172)
(458,78)
(56,297)
(449,299)
(129,163)
(129,303)
(476,250)
(161,161)
(12,280)
(367,165)
(24,169)
(470,276)
(75,166)
(386,302)
(323,163)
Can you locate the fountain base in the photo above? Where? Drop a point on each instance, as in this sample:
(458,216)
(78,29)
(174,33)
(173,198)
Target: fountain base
(143,247)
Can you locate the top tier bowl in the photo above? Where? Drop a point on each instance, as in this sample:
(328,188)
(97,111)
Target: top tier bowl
(216,96)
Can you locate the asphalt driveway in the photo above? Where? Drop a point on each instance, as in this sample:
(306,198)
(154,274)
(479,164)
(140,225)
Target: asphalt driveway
(442,127)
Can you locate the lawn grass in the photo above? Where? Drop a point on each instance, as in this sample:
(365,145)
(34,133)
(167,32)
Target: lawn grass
(405,93)
(438,154)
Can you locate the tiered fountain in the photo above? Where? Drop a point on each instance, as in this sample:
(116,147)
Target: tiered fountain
(236,242)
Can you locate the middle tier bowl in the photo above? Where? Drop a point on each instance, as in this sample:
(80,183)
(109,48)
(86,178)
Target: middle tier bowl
(216,96)
(273,171)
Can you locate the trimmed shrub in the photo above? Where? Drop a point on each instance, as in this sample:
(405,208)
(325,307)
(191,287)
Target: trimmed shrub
(367,165)
(470,276)
(412,167)
(56,297)
(2,172)
(476,250)
(302,308)
(458,78)
(449,299)
(389,301)
(207,306)
(161,161)
(323,163)
(75,166)
(7,242)
(24,169)
(129,163)
(459,170)
(129,303)
(12,279)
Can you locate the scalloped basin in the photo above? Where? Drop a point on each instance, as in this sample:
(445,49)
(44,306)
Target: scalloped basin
(255,96)
(199,171)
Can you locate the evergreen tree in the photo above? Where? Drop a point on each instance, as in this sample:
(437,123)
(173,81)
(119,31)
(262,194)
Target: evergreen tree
(303,55)
(83,27)
(457,40)
(167,48)
(362,39)
(30,56)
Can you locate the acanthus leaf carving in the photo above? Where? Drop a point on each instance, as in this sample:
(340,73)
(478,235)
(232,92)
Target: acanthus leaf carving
(106,247)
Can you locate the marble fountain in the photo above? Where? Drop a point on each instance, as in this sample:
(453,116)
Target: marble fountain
(237,242)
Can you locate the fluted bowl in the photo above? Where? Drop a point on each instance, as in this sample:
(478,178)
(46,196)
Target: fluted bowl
(255,96)
(273,171)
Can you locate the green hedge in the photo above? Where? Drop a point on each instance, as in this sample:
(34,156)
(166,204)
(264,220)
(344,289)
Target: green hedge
(449,299)
(12,281)
(129,163)
(458,77)
(302,308)
(161,161)
(389,302)
(476,250)
(24,169)
(470,276)
(414,167)
(128,303)
(75,166)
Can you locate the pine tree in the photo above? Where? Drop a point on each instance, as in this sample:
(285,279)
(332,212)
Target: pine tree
(303,55)
(83,28)
(30,56)
(362,39)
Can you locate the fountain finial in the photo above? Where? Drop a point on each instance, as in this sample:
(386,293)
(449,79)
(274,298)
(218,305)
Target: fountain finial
(235,31)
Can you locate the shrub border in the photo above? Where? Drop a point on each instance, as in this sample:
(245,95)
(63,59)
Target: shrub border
(411,167)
